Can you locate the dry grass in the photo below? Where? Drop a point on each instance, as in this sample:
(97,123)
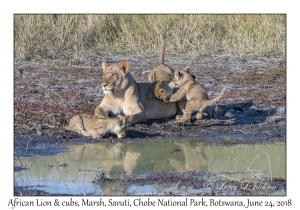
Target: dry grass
(77,36)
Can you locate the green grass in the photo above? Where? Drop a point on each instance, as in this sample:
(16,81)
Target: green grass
(73,36)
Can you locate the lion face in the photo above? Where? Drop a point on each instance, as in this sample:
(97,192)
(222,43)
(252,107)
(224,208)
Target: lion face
(182,76)
(114,77)
(178,78)
(163,90)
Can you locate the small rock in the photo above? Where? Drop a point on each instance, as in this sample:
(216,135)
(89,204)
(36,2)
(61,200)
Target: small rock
(240,99)
(280,110)
(230,87)
(229,114)
(274,119)
(43,86)
(251,112)
(211,93)
(230,100)
(208,85)
(38,128)
(65,106)
(242,88)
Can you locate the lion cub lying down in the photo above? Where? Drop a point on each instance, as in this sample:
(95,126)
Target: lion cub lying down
(92,126)
(195,94)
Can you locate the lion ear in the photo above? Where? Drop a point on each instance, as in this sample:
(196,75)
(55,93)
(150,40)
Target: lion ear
(177,74)
(180,74)
(104,66)
(187,69)
(124,66)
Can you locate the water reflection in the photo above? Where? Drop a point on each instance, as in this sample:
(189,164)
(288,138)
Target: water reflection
(74,172)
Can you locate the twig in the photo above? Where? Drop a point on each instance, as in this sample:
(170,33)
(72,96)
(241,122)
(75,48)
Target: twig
(177,185)
(63,99)
(240,131)
(269,165)
(27,146)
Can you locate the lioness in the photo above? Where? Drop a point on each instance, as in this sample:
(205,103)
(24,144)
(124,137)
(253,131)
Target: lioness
(92,126)
(123,95)
(194,93)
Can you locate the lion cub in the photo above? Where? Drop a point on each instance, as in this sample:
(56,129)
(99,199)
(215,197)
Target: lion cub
(161,72)
(195,95)
(162,90)
(93,126)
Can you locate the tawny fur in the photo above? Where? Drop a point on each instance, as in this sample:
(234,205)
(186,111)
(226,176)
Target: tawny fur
(161,72)
(194,93)
(123,95)
(92,126)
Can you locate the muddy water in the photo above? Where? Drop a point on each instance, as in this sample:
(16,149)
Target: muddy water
(103,168)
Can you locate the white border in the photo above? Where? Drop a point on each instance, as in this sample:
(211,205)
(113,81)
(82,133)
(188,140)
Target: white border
(9,8)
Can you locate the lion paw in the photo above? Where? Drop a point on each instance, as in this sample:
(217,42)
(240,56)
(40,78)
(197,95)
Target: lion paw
(151,95)
(179,117)
(182,120)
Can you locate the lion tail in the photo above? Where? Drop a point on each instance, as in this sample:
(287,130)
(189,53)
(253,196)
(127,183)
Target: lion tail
(214,100)
(162,52)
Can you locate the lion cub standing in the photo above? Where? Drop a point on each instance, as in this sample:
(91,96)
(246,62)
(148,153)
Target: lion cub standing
(194,93)
(92,126)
